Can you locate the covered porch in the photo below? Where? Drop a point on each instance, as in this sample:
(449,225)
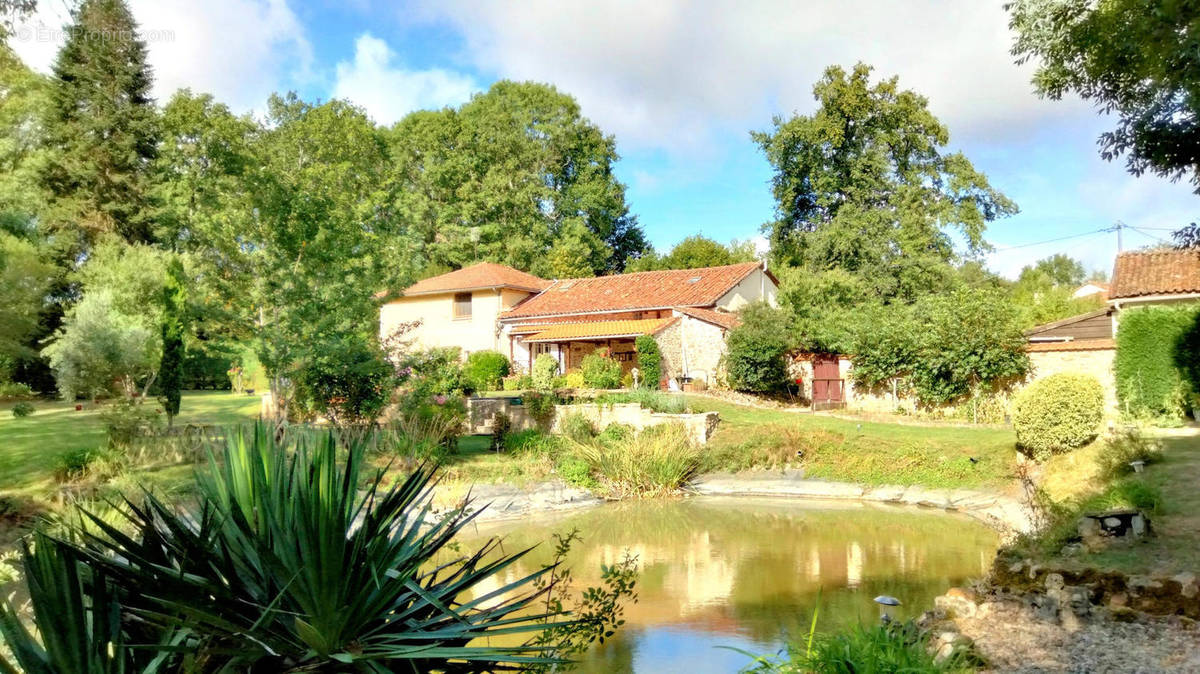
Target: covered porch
(568,343)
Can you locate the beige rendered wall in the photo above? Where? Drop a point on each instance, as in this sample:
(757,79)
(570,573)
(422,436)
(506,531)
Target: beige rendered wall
(440,328)
(756,286)
(1098,363)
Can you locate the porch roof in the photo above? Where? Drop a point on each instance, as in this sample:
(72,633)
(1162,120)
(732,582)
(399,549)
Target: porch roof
(566,332)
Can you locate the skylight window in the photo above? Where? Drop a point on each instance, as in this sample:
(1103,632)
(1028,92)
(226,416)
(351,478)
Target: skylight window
(694,279)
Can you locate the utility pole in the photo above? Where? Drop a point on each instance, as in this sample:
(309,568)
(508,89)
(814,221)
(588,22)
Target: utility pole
(1119,226)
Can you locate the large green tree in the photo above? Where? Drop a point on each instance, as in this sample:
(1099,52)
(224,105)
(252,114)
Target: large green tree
(516,175)
(1136,59)
(694,252)
(100,127)
(866,184)
(319,242)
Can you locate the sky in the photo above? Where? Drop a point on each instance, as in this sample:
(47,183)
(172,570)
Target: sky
(680,85)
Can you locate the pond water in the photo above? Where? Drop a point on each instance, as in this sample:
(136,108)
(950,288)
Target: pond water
(746,572)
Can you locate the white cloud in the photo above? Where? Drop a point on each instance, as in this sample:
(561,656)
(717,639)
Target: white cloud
(673,74)
(238,50)
(387,90)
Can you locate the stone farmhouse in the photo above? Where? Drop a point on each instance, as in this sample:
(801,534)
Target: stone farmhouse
(492,306)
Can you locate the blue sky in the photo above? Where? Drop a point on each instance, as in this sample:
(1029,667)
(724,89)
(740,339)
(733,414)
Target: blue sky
(680,85)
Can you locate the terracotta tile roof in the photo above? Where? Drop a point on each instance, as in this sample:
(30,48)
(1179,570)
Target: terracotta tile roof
(1156,272)
(1073,345)
(719,318)
(478,276)
(641,290)
(600,330)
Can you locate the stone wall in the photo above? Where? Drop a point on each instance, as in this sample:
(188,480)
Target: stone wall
(670,345)
(1098,363)
(703,349)
(482,411)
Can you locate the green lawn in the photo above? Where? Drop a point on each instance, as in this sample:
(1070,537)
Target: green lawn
(1175,545)
(860,451)
(31,446)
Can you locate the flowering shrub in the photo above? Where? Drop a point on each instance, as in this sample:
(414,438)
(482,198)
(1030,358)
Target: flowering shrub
(441,416)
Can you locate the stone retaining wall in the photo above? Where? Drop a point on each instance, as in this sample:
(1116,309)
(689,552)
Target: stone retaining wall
(482,412)
(1174,595)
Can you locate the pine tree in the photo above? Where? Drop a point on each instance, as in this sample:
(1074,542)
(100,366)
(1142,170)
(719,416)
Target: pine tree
(170,370)
(101,128)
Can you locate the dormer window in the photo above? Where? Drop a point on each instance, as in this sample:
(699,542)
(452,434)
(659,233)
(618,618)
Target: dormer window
(462,305)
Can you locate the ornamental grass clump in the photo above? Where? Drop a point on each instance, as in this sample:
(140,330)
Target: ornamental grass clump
(1057,414)
(293,557)
(657,461)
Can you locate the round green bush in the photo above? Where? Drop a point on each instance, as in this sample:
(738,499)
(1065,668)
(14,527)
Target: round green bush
(1057,414)
(545,369)
(22,409)
(485,369)
(600,371)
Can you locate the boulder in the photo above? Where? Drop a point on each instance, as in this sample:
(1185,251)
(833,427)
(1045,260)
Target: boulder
(957,605)
(1187,584)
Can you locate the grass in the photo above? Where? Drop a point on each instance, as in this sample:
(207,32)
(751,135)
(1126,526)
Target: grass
(864,452)
(1166,490)
(31,447)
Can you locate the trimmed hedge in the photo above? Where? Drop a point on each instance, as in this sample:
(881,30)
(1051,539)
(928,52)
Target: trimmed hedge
(1149,383)
(1057,414)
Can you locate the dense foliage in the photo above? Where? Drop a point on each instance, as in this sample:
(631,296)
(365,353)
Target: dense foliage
(545,370)
(1057,413)
(864,185)
(1134,58)
(170,371)
(484,370)
(349,380)
(756,350)
(694,252)
(293,559)
(944,347)
(600,370)
(516,175)
(649,361)
(1147,377)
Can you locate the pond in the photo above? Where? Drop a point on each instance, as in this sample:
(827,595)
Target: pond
(746,572)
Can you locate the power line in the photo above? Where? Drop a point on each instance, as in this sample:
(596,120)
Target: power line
(1106,230)
(1156,238)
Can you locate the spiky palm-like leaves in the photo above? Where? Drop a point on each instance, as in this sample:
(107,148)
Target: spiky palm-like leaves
(289,562)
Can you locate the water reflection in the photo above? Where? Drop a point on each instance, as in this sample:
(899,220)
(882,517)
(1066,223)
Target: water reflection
(743,572)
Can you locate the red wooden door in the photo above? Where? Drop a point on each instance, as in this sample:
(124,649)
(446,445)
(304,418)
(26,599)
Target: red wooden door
(827,385)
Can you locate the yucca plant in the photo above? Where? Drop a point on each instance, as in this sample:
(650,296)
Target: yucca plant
(285,563)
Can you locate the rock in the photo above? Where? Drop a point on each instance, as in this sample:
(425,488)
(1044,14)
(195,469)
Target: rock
(1017,566)
(930,618)
(1046,606)
(1137,525)
(1112,522)
(1071,622)
(1054,581)
(985,609)
(955,606)
(1123,614)
(960,593)
(1139,584)
(1187,584)
(1118,600)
